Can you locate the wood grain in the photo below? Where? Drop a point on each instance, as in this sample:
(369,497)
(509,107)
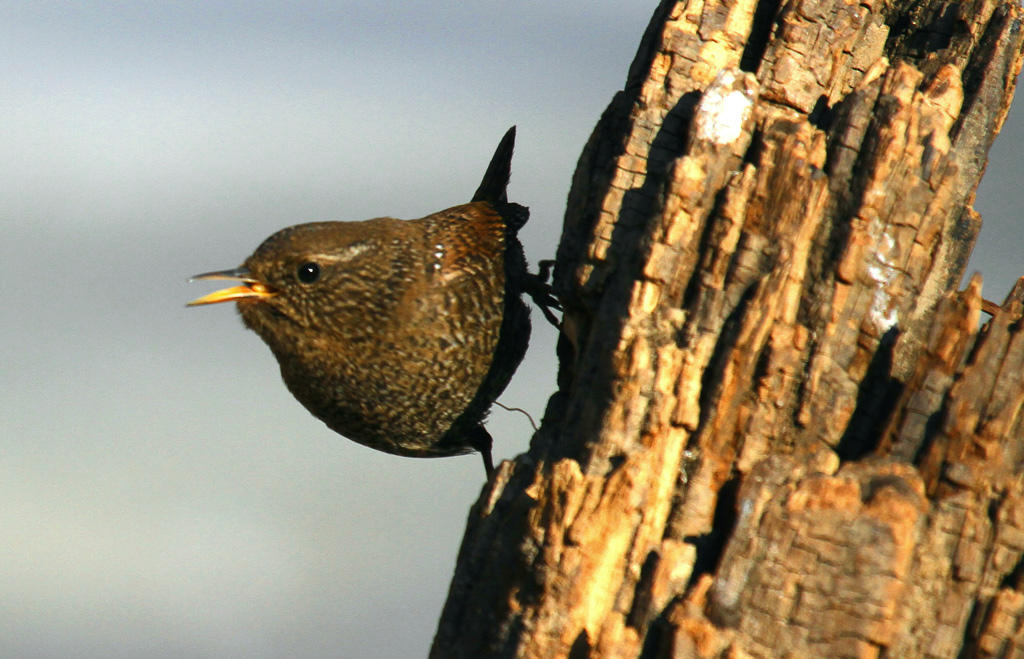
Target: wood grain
(780,431)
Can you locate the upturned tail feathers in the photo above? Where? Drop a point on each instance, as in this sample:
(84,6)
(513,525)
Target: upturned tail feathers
(495,182)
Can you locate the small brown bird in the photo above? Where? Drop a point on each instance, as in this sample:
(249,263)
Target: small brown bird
(398,334)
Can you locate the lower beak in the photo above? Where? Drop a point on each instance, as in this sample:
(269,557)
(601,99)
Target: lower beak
(250,288)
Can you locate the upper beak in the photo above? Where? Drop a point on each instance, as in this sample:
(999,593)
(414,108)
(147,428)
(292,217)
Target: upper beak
(250,288)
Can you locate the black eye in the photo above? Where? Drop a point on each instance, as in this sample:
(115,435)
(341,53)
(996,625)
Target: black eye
(309,272)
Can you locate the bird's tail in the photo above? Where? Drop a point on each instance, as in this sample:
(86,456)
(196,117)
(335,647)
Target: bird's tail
(495,182)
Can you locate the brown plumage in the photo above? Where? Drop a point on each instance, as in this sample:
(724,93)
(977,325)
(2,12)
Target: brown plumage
(398,334)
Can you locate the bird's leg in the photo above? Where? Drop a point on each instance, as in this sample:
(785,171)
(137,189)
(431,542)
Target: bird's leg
(544,269)
(539,290)
(480,440)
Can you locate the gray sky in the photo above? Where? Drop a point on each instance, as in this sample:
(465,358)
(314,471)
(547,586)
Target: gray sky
(163,495)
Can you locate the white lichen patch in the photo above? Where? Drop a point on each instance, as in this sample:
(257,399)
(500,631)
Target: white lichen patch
(724,108)
(883,311)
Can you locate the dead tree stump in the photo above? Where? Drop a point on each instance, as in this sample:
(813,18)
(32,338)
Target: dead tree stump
(779,430)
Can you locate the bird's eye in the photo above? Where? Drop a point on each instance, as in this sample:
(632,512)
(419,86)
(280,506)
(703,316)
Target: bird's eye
(309,272)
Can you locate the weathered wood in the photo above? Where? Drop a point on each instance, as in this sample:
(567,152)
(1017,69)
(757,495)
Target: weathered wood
(778,430)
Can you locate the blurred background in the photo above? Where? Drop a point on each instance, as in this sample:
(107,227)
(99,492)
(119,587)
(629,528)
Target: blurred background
(162,494)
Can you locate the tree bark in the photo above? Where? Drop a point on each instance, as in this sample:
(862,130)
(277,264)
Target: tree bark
(779,430)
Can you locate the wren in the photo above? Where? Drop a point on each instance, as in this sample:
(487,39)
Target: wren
(398,334)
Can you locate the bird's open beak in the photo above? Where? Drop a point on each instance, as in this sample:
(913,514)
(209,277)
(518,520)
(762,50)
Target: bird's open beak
(250,288)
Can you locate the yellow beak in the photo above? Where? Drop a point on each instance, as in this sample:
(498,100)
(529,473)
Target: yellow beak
(250,288)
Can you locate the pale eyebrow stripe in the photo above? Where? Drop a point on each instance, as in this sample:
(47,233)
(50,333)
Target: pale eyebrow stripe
(350,252)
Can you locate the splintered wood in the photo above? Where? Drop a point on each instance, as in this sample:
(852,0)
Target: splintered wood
(780,431)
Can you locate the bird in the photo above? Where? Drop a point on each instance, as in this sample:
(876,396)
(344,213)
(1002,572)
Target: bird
(398,334)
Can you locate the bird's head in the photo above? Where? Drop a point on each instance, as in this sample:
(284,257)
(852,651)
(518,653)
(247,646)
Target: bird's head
(316,278)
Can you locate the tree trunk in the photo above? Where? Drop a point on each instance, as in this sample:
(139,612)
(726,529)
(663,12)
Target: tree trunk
(779,430)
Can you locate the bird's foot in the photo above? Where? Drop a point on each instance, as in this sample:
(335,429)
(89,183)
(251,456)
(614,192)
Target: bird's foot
(540,291)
